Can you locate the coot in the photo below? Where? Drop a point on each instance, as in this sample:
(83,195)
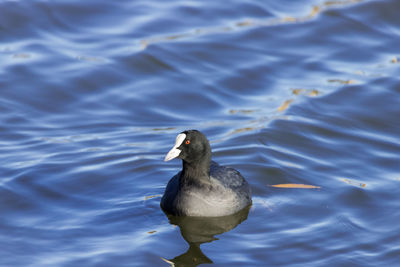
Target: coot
(203,187)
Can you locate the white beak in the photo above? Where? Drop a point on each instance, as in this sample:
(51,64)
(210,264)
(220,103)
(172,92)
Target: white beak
(174,152)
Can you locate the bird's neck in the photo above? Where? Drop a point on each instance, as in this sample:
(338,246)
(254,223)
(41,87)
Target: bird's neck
(200,170)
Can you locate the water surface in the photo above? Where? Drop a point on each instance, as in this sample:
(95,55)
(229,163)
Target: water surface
(93,94)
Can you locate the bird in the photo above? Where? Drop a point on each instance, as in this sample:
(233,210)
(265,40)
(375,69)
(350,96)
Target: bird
(203,188)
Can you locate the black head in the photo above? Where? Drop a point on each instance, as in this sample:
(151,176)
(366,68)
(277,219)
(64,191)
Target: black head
(191,146)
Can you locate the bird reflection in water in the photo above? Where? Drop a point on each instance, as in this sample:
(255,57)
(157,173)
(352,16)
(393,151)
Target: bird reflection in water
(199,230)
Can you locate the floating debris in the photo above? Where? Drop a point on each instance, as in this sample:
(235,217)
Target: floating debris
(242,111)
(244,23)
(240,130)
(285,105)
(289,19)
(151,232)
(341,81)
(313,92)
(302,91)
(316,10)
(298,91)
(307,186)
(150,197)
(354,183)
(395,60)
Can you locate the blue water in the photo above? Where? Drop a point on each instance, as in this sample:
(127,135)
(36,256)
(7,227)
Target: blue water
(93,94)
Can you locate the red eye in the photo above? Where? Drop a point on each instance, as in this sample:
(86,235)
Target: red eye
(187,142)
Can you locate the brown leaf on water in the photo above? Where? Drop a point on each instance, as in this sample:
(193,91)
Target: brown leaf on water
(302,91)
(355,183)
(151,232)
(314,11)
(313,92)
(341,81)
(240,130)
(298,91)
(244,23)
(285,105)
(289,19)
(242,111)
(307,186)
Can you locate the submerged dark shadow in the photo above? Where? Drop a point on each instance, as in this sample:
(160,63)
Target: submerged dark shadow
(199,230)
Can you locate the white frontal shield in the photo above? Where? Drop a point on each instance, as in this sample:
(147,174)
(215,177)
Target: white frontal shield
(174,152)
